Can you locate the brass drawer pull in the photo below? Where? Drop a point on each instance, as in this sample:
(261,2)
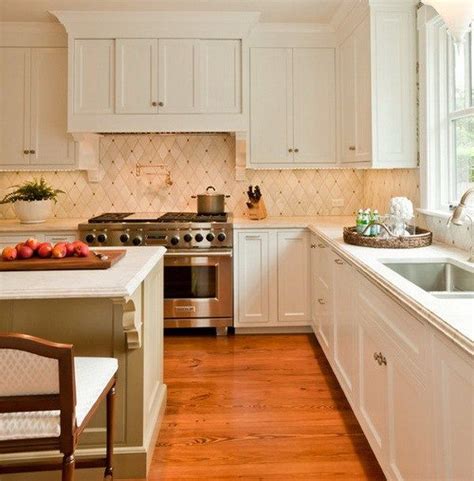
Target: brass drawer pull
(339,261)
(313,246)
(352,147)
(322,301)
(321,246)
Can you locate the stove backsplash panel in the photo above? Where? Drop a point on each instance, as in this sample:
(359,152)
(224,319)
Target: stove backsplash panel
(195,161)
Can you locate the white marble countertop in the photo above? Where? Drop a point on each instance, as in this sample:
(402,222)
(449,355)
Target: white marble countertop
(121,280)
(54,225)
(453,317)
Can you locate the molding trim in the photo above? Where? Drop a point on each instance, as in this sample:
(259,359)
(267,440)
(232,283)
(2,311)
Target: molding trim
(87,155)
(32,34)
(110,24)
(293,27)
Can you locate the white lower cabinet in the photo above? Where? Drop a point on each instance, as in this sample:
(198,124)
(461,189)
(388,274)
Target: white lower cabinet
(272,283)
(414,400)
(453,390)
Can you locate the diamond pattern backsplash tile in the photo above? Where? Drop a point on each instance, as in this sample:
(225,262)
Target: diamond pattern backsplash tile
(195,161)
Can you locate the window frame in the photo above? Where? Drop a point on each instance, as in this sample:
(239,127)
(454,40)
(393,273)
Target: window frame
(437,114)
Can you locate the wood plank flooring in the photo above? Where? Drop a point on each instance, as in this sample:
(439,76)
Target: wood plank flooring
(257,408)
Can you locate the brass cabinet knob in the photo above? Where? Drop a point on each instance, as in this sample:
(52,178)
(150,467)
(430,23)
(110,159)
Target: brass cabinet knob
(161,104)
(26,151)
(154,104)
(313,246)
(352,147)
(32,151)
(322,301)
(297,150)
(339,261)
(290,150)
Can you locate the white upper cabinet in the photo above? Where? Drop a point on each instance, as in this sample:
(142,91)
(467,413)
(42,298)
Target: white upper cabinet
(314,105)
(33,96)
(15,66)
(271,106)
(136,76)
(94,76)
(221,65)
(49,140)
(292,106)
(377,72)
(178,84)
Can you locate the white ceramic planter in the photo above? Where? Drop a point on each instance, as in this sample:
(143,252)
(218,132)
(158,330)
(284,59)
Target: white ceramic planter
(33,212)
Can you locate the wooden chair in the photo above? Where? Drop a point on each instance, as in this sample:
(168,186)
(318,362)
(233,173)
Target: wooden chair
(47,397)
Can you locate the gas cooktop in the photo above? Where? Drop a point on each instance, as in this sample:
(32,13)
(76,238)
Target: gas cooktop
(140,217)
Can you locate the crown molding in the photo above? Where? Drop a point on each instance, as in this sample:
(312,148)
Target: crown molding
(32,34)
(275,27)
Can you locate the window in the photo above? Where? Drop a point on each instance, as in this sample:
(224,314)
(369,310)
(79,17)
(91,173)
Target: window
(446,113)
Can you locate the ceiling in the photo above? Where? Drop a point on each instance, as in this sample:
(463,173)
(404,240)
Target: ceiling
(300,11)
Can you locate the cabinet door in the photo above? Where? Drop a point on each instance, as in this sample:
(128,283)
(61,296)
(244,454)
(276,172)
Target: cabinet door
(345,326)
(220,63)
(15,68)
(314,89)
(453,392)
(372,382)
(293,277)
(271,106)
(51,143)
(313,281)
(362,92)
(347,93)
(178,84)
(253,278)
(408,413)
(94,77)
(136,82)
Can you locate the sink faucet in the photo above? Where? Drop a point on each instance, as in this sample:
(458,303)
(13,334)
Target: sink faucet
(458,216)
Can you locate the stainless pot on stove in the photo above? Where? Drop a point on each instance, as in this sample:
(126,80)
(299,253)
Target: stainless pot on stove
(210,202)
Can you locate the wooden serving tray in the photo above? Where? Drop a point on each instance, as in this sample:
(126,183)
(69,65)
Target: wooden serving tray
(64,264)
(421,238)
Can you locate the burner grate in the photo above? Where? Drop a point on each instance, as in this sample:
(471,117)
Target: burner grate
(192,217)
(110,217)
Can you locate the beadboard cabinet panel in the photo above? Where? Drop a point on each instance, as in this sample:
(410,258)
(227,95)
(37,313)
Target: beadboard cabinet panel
(221,73)
(314,126)
(94,76)
(271,106)
(178,68)
(136,76)
(51,144)
(15,67)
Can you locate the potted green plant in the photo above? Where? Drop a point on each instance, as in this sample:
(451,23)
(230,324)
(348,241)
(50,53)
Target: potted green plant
(32,200)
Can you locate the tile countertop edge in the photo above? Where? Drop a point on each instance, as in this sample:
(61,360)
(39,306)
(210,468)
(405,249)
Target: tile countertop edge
(398,295)
(128,288)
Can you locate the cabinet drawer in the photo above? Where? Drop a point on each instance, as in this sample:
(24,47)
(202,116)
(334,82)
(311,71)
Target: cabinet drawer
(407,332)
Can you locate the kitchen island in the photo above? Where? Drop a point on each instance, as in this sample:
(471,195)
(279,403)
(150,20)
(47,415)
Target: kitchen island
(118,313)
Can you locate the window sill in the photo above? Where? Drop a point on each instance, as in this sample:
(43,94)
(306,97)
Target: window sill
(443,214)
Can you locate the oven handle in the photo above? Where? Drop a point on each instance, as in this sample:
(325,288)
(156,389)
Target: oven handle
(226,253)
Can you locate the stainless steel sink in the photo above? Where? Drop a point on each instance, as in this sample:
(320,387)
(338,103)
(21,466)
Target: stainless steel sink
(442,279)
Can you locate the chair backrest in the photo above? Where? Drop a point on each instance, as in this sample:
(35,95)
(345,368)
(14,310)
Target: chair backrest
(37,375)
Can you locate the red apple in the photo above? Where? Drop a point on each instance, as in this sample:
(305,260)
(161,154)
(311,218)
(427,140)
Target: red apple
(19,246)
(44,250)
(81,249)
(25,252)
(70,251)
(59,251)
(9,254)
(32,243)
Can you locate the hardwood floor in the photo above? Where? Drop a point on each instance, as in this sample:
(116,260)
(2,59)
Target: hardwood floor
(257,408)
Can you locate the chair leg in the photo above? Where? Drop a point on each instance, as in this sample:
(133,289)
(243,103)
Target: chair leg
(108,474)
(69,464)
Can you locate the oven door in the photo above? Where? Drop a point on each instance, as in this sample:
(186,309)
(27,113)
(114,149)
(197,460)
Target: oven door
(198,284)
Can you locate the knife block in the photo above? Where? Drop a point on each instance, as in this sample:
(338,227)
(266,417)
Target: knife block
(258,210)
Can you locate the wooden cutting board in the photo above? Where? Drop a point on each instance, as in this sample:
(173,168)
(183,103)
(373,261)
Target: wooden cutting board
(65,264)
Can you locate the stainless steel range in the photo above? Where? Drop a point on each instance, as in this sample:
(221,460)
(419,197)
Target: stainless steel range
(198,262)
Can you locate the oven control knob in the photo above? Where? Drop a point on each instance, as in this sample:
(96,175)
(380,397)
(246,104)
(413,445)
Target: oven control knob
(137,241)
(188,237)
(102,238)
(124,238)
(210,237)
(221,237)
(90,238)
(174,240)
(199,237)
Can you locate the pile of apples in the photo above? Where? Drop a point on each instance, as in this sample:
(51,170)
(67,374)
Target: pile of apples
(32,247)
